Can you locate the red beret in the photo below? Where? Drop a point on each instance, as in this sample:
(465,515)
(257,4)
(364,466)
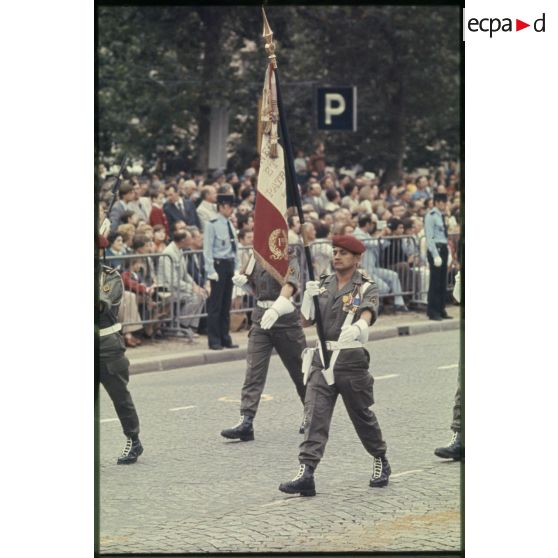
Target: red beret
(102,241)
(348,242)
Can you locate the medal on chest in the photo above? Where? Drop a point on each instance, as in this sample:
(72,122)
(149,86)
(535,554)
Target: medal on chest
(352,301)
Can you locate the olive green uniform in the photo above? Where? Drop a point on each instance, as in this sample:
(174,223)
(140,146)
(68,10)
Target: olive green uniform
(352,378)
(285,336)
(456,422)
(114,366)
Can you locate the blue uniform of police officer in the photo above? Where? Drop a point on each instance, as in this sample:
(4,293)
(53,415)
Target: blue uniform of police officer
(436,234)
(221,262)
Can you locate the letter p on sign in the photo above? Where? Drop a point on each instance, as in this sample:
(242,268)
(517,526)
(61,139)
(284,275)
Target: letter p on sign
(336,108)
(334,105)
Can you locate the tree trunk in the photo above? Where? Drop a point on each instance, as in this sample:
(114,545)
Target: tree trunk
(396,120)
(202,158)
(213,25)
(396,140)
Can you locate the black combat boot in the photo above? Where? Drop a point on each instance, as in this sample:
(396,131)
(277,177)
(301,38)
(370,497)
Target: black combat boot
(381,471)
(244,430)
(303,483)
(132,450)
(454,450)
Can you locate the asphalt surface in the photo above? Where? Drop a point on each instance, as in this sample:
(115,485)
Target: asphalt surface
(193,491)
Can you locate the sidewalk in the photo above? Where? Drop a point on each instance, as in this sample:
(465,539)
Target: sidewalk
(171,353)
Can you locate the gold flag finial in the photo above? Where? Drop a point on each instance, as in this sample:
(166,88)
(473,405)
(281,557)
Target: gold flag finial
(267,34)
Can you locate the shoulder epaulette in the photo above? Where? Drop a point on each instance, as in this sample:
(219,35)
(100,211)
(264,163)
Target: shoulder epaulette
(365,276)
(213,220)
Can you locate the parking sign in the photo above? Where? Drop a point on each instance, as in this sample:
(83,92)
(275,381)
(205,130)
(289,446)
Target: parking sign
(337,108)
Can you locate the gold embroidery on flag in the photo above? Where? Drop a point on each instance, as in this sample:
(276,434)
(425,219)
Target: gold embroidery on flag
(278,244)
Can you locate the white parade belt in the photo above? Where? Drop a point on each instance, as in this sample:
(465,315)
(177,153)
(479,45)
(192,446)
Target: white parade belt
(108,330)
(335,346)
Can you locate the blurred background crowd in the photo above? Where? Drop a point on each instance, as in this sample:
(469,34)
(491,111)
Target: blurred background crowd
(155,215)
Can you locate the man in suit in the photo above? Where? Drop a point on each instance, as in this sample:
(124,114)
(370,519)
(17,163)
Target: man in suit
(207,209)
(196,262)
(126,194)
(178,209)
(140,205)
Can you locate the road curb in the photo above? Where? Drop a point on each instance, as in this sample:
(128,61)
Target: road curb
(207,356)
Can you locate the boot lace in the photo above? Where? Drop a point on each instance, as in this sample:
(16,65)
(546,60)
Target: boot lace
(301,470)
(377,468)
(453,439)
(127,448)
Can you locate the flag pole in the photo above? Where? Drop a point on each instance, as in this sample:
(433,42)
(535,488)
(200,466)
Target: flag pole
(292,182)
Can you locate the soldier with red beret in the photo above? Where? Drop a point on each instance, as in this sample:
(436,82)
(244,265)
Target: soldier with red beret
(348,302)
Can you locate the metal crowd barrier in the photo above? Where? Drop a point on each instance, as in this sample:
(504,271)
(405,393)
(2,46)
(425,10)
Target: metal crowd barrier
(397,263)
(423,272)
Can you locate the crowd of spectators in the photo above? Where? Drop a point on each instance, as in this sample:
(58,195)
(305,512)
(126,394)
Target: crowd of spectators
(167,215)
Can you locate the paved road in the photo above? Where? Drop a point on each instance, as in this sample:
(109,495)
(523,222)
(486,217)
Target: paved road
(192,491)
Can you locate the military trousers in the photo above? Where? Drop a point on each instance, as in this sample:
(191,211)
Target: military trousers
(114,375)
(437,289)
(356,390)
(456,422)
(289,344)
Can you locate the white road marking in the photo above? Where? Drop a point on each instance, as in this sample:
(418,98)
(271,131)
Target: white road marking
(447,367)
(406,473)
(227,399)
(385,376)
(108,420)
(182,408)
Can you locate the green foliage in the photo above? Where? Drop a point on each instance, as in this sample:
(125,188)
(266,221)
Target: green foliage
(161,68)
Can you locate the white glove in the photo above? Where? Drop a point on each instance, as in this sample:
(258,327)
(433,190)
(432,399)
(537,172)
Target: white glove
(353,332)
(457,287)
(307,307)
(279,308)
(213,276)
(437,261)
(239,279)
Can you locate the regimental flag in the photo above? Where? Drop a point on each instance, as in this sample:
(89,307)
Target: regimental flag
(270,217)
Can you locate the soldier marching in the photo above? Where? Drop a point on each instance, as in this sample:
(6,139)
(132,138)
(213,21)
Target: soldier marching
(348,301)
(275,325)
(113,364)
